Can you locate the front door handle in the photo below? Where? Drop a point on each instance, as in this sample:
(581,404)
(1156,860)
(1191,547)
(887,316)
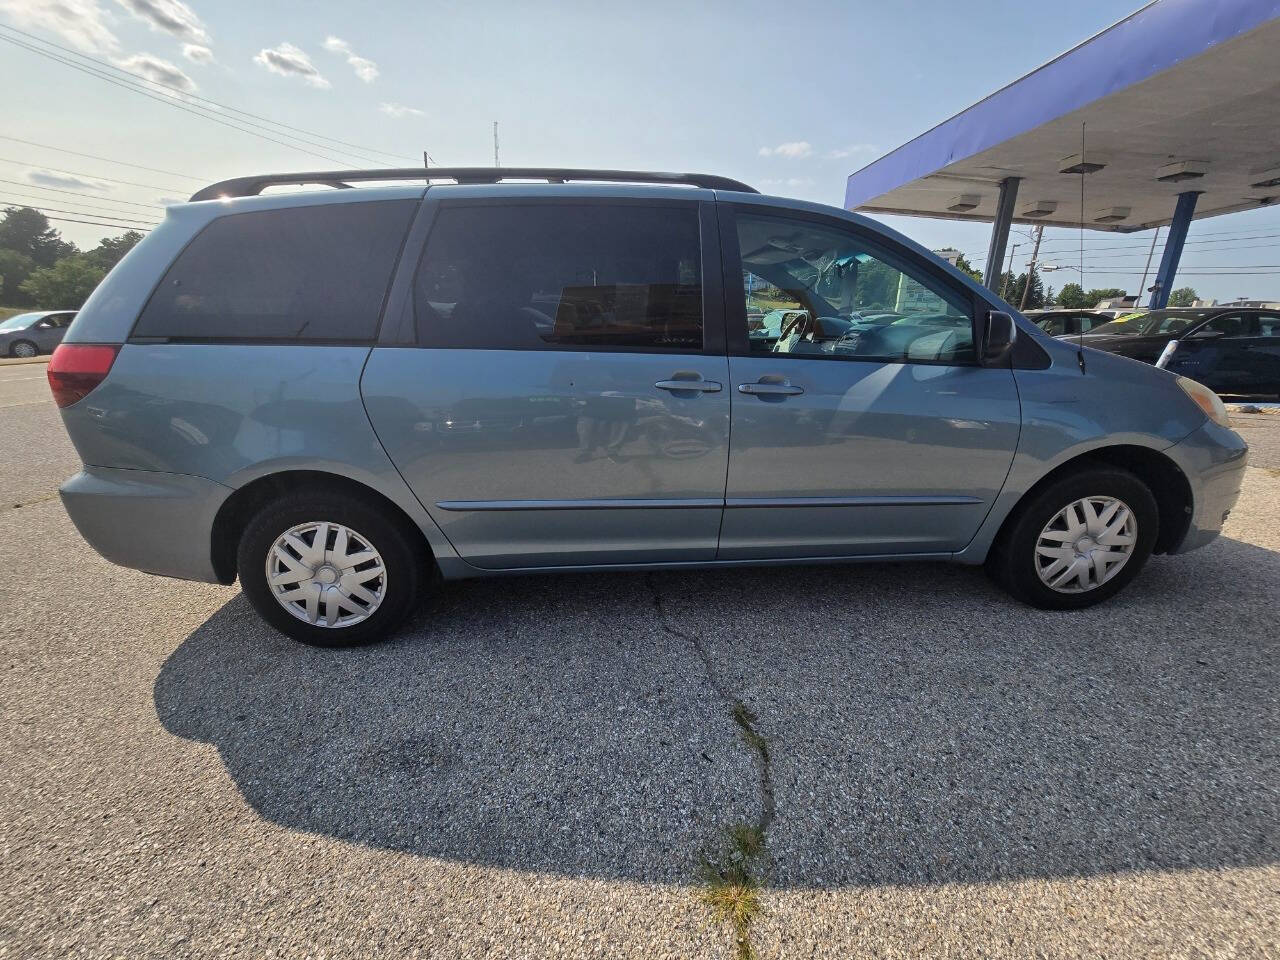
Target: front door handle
(683,383)
(770,387)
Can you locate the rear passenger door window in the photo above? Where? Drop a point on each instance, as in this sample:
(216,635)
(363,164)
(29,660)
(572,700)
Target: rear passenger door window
(314,274)
(561,276)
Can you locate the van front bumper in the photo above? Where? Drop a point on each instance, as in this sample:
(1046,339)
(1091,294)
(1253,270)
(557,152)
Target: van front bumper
(1213,459)
(159,523)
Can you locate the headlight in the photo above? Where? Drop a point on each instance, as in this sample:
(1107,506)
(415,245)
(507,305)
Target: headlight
(1206,400)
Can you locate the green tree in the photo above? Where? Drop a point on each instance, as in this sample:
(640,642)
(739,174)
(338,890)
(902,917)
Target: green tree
(28,232)
(111,250)
(1097,295)
(1035,299)
(1183,297)
(1048,297)
(1073,297)
(66,284)
(15,267)
(969,268)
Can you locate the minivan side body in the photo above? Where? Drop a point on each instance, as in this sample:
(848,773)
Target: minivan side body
(585,445)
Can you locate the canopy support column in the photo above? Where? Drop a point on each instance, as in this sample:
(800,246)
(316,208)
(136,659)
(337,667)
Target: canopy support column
(1000,232)
(1173,249)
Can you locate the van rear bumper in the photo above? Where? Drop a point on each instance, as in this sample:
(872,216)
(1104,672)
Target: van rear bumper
(159,523)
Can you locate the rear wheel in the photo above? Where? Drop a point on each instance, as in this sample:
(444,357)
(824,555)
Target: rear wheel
(23,348)
(329,569)
(1078,541)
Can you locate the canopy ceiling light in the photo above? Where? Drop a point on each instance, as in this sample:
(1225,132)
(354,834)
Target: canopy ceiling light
(1182,170)
(1039,208)
(966,201)
(1111,215)
(1268,178)
(1081,163)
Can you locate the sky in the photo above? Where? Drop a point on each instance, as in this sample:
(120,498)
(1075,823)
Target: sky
(789,97)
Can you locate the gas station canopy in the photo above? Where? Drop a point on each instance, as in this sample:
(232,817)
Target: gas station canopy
(1182,96)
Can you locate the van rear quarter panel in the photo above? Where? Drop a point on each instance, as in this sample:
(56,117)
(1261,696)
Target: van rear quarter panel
(235,412)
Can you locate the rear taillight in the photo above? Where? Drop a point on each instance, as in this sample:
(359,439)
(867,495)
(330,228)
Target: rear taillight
(76,368)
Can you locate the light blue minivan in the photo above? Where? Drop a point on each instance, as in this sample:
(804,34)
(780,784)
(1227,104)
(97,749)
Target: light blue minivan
(339,395)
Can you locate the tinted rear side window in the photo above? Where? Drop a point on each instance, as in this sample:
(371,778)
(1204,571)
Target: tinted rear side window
(561,276)
(303,273)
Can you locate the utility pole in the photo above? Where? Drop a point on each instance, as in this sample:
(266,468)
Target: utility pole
(1142,287)
(1031,267)
(426,159)
(495,144)
(1004,281)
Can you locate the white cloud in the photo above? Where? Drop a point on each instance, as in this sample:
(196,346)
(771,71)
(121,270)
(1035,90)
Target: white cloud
(158,70)
(366,70)
(289,61)
(81,23)
(51,178)
(169,16)
(852,150)
(794,150)
(196,53)
(788,182)
(398,110)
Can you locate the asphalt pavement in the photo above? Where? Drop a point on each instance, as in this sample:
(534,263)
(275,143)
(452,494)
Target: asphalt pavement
(539,766)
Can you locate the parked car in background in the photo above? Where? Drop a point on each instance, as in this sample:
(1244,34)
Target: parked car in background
(1244,360)
(1144,337)
(29,334)
(1065,323)
(336,396)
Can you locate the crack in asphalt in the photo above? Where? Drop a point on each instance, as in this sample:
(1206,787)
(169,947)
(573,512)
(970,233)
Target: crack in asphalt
(737,873)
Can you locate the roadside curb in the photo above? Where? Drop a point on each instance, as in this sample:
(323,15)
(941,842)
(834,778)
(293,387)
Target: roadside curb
(1251,408)
(15,361)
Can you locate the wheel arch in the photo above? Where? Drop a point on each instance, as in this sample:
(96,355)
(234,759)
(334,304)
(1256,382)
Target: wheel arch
(234,514)
(1157,471)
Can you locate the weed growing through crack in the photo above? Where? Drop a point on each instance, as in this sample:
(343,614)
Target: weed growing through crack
(732,889)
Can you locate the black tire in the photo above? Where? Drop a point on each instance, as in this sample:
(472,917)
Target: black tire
(403,552)
(1012,561)
(18,344)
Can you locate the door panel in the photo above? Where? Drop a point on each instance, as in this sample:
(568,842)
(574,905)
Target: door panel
(545,458)
(866,428)
(871,458)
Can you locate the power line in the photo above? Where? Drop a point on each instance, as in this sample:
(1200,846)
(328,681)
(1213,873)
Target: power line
(90,156)
(77,193)
(135,83)
(82,213)
(92,176)
(95,223)
(170,100)
(114,214)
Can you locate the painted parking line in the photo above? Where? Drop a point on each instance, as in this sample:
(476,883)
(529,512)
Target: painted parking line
(25,403)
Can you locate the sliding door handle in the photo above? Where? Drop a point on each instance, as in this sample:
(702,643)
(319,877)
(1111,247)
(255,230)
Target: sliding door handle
(770,388)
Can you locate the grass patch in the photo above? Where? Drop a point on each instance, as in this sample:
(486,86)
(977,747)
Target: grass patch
(745,719)
(733,892)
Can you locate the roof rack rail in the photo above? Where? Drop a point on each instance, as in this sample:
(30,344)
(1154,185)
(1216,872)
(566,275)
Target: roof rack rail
(342,179)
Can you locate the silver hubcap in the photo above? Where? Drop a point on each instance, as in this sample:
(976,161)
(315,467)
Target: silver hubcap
(326,574)
(24,350)
(1086,544)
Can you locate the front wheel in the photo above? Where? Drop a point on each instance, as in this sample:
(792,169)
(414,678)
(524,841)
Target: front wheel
(1078,541)
(329,569)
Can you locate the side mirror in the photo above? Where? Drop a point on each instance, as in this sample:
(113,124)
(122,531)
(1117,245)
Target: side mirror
(996,333)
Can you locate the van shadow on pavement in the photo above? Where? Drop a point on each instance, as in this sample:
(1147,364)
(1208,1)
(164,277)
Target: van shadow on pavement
(922,727)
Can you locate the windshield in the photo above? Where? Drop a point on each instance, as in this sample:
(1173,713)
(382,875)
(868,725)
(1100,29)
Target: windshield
(1150,324)
(19,322)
